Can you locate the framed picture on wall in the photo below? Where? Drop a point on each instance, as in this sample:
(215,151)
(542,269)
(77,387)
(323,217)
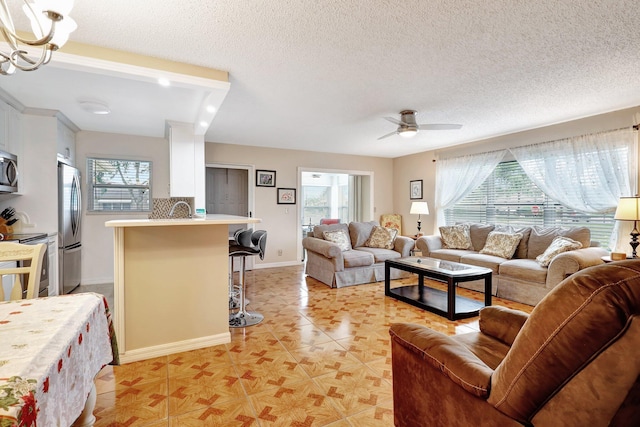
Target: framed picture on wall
(286,196)
(415,189)
(265,178)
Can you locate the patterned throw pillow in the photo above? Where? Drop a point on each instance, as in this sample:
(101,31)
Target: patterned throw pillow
(558,245)
(338,237)
(501,244)
(456,237)
(381,237)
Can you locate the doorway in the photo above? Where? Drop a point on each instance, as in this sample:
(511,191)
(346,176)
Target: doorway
(343,195)
(229,191)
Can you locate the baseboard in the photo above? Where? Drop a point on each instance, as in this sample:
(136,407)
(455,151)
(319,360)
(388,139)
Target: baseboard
(101,281)
(174,347)
(277,264)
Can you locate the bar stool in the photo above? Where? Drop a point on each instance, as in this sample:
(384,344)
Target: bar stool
(257,246)
(240,238)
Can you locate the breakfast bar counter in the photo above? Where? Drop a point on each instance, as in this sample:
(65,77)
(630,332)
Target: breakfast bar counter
(171,284)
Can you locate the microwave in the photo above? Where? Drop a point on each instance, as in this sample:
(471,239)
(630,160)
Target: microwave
(8,172)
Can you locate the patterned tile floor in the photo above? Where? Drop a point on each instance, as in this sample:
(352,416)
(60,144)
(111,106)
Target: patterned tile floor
(321,357)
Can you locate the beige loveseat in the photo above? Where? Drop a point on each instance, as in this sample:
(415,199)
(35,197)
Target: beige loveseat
(520,278)
(355,263)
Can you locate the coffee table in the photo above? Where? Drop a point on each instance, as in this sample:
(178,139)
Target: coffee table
(445,303)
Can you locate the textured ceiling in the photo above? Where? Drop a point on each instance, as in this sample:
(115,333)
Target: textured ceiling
(321,75)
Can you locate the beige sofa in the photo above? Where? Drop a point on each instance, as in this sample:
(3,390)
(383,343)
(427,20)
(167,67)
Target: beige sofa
(356,265)
(520,278)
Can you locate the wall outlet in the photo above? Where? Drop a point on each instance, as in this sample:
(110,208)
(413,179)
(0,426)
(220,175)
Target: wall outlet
(279,252)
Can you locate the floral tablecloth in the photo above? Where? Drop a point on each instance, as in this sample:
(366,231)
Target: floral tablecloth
(50,351)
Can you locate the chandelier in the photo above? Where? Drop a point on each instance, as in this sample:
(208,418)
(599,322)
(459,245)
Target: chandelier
(50,29)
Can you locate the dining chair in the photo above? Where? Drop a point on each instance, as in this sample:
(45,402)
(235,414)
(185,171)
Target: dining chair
(28,267)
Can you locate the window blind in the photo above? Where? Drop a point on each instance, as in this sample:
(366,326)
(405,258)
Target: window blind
(509,197)
(119,185)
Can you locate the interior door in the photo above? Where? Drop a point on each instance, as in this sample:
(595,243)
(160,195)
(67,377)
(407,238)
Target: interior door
(227,192)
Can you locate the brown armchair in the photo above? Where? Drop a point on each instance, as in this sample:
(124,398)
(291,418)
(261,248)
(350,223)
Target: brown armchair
(574,361)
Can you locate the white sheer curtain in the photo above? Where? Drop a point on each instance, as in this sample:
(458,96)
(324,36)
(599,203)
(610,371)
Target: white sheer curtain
(587,173)
(459,176)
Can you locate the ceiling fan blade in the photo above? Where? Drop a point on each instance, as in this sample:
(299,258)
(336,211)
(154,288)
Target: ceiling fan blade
(395,121)
(438,126)
(387,135)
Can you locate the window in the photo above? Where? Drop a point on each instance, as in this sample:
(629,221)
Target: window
(119,185)
(508,196)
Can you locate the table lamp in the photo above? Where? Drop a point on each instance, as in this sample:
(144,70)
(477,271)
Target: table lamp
(629,210)
(419,208)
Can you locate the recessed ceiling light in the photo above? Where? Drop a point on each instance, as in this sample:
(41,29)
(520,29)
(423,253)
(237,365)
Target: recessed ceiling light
(211,109)
(95,107)
(164,82)
(204,124)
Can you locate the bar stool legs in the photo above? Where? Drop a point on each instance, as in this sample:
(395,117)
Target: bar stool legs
(234,291)
(242,317)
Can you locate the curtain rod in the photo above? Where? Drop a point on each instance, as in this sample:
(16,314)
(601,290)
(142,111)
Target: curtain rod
(636,127)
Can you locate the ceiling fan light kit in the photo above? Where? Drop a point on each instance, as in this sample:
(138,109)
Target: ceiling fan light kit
(407,133)
(408,127)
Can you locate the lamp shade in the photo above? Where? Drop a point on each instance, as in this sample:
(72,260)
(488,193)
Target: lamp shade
(628,209)
(419,208)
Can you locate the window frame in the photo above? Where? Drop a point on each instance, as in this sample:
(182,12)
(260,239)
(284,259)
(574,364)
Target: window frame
(91,186)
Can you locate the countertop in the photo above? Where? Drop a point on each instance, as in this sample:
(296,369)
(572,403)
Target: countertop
(210,219)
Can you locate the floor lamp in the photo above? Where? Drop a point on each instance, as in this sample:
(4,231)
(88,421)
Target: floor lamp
(629,210)
(419,208)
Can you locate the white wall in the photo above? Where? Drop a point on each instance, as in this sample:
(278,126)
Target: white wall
(97,240)
(422,165)
(282,227)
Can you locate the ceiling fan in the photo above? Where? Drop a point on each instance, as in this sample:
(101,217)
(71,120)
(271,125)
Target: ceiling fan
(407,126)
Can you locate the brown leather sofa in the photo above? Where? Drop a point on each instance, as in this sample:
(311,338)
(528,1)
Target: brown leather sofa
(574,361)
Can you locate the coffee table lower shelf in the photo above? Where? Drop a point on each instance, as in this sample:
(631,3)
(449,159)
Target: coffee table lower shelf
(435,301)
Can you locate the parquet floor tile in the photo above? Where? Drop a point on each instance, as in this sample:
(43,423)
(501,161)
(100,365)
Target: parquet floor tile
(321,357)
(300,404)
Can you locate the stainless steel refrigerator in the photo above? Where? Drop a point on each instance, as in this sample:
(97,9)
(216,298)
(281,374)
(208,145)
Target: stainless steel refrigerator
(69,216)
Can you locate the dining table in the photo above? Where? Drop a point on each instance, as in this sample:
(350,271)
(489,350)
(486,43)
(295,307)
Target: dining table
(51,349)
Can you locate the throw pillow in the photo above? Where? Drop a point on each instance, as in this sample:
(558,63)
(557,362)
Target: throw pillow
(501,244)
(338,237)
(381,237)
(456,237)
(558,245)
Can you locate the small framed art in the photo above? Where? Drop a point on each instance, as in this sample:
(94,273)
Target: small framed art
(286,196)
(415,189)
(265,178)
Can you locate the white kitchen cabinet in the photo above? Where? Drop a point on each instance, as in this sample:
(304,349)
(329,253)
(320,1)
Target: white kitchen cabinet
(4,119)
(10,131)
(52,247)
(66,143)
(182,153)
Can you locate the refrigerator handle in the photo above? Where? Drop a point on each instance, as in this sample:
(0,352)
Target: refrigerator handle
(75,205)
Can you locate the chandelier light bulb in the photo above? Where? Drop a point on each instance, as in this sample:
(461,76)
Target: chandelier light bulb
(61,7)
